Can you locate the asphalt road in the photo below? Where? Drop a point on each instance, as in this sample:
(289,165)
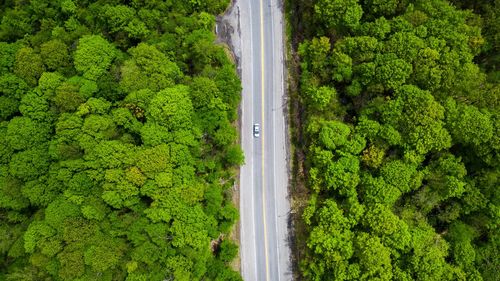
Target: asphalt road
(264,205)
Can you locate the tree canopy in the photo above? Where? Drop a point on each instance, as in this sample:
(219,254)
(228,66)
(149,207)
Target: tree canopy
(397,117)
(117,147)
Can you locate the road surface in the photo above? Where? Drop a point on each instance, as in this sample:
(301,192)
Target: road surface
(264,205)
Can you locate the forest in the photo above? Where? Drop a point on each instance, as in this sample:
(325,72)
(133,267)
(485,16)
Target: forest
(118,145)
(398,123)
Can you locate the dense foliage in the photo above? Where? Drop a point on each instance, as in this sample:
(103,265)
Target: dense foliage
(117,149)
(402,139)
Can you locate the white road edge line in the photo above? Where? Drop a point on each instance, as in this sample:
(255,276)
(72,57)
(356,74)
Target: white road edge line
(252,89)
(274,140)
(263,134)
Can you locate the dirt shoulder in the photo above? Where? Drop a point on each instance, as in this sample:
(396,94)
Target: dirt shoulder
(228,34)
(299,193)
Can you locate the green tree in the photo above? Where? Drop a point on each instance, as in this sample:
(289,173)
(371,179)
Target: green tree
(428,261)
(148,68)
(393,232)
(55,54)
(462,250)
(105,255)
(380,7)
(401,175)
(330,239)
(374,258)
(49,82)
(419,118)
(172,108)
(8,56)
(467,124)
(10,191)
(229,85)
(332,230)
(228,251)
(24,133)
(36,107)
(67,97)
(391,71)
(8,107)
(72,265)
(28,65)
(333,135)
(319,98)
(41,191)
(376,190)
(446,173)
(234,155)
(94,56)
(122,18)
(316,52)
(15,24)
(339,13)
(373,156)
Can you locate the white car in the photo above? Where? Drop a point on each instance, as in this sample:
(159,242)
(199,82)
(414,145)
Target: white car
(256,130)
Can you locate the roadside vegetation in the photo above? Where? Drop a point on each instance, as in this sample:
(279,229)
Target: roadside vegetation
(400,135)
(117,149)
